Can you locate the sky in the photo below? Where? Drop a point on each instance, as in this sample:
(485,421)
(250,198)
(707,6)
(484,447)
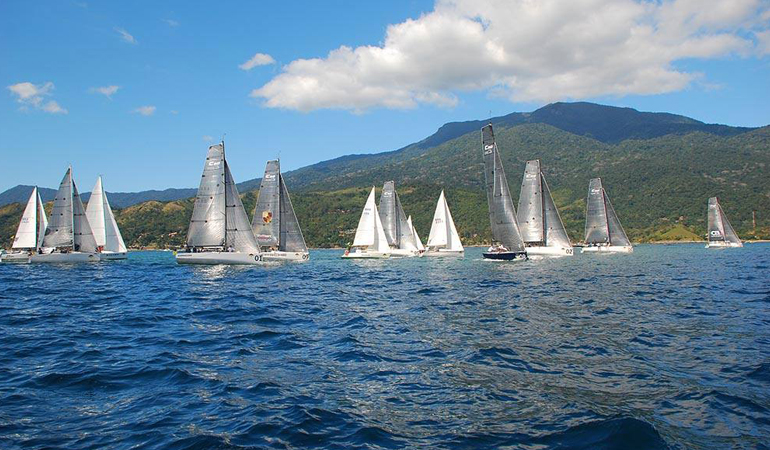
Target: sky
(136,91)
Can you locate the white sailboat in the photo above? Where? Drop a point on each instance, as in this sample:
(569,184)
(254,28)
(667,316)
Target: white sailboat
(275,224)
(507,243)
(103,224)
(603,230)
(220,232)
(541,227)
(417,240)
(398,231)
(720,233)
(443,239)
(29,236)
(68,236)
(370,240)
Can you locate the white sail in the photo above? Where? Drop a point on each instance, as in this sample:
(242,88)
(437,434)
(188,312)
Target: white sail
(27,233)
(381,241)
(454,243)
(42,220)
(207,225)
(83,238)
(102,220)
(59,230)
(417,241)
(238,233)
(370,232)
(443,233)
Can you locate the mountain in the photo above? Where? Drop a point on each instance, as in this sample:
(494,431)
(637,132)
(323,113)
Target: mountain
(659,178)
(21,193)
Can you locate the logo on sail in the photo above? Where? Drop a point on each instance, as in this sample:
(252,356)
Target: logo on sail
(267,216)
(716,233)
(488,148)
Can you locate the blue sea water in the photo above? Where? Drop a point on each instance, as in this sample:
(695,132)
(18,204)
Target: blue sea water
(667,348)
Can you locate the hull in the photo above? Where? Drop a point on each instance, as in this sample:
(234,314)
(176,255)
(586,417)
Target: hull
(445,252)
(15,257)
(722,244)
(403,253)
(285,256)
(65,258)
(219,258)
(505,256)
(608,249)
(365,254)
(113,256)
(550,251)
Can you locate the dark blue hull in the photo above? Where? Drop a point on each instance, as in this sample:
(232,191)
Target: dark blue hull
(505,256)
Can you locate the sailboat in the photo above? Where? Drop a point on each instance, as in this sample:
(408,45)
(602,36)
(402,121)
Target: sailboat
(443,239)
(603,230)
(541,227)
(104,226)
(219,231)
(68,236)
(721,233)
(275,224)
(399,233)
(417,241)
(507,243)
(29,236)
(370,240)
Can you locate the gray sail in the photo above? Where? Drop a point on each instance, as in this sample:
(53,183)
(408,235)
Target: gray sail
(617,233)
(83,237)
(239,236)
(59,230)
(718,226)
(597,231)
(207,226)
(388,215)
(291,239)
(405,235)
(502,215)
(530,216)
(267,220)
(555,233)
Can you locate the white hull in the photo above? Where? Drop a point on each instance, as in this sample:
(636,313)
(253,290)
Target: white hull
(445,252)
(285,256)
(722,244)
(112,256)
(65,258)
(15,257)
(365,254)
(219,258)
(607,249)
(403,253)
(550,251)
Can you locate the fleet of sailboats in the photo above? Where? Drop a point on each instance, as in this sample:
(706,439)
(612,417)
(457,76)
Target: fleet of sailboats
(603,230)
(103,224)
(275,224)
(370,241)
(720,233)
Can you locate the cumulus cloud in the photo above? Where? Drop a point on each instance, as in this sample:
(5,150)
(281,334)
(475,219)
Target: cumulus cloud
(145,110)
(259,59)
(31,95)
(763,43)
(106,91)
(171,22)
(207,138)
(521,50)
(126,36)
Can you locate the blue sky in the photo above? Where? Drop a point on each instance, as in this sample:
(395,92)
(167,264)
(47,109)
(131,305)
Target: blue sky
(179,84)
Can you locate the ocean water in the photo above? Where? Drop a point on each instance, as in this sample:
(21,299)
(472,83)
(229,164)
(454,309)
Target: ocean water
(667,348)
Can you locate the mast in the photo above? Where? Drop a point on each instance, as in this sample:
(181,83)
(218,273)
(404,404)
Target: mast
(542,203)
(224,159)
(606,219)
(72,210)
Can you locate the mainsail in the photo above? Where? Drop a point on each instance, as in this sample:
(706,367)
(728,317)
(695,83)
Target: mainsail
(207,226)
(394,220)
(538,218)
(102,220)
(443,233)
(602,224)
(502,215)
(68,225)
(32,226)
(275,223)
(370,232)
(719,227)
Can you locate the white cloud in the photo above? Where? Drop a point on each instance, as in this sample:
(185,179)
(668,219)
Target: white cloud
(171,22)
(763,42)
(106,91)
(522,50)
(207,138)
(174,112)
(33,96)
(145,110)
(259,59)
(126,36)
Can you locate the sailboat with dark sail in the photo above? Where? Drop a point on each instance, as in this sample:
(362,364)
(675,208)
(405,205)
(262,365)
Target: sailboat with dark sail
(398,230)
(507,242)
(275,224)
(29,236)
(68,236)
(539,221)
(219,232)
(720,233)
(603,230)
